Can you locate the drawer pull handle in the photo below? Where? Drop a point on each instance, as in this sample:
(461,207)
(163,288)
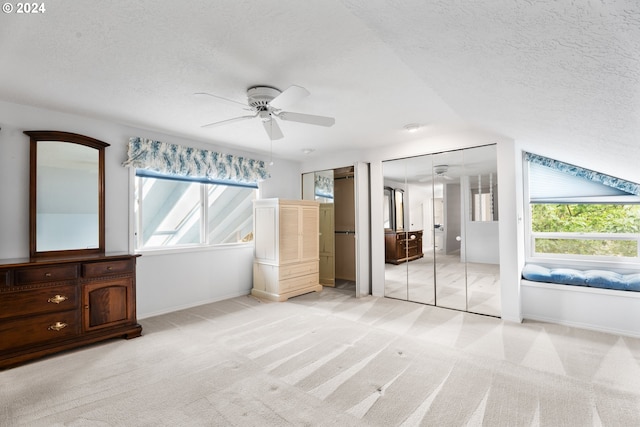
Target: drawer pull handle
(47,274)
(57,326)
(57,299)
(109,268)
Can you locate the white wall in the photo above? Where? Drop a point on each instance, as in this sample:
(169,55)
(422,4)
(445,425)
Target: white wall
(604,310)
(482,242)
(165,282)
(511,233)
(169,282)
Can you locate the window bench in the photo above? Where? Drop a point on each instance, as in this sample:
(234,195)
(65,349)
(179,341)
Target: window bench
(593,278)
(591,299)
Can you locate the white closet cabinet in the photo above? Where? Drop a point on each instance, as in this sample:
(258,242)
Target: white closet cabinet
(286,248)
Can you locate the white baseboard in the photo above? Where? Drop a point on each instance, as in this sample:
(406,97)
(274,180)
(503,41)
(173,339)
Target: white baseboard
(191,305)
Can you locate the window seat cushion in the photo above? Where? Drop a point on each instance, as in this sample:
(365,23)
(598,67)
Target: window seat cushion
(594,278)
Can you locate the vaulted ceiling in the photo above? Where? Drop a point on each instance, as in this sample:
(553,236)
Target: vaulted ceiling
(563,72)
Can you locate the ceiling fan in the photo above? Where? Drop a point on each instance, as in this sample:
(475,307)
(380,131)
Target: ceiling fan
(439,171)
(266,103)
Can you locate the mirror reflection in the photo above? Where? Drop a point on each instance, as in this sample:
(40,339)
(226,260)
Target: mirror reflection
(387,214)
(450,172)
(483,197)
(450,208)
(67,199)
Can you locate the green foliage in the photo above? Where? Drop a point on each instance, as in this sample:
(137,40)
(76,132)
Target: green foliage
(586,218)
(623,248)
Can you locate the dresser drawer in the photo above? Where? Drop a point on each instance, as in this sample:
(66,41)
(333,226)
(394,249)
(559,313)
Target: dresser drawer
(411,246)
(36,301)
(54,273)
(38,329)
(98,269)
(296,270)
(299,282)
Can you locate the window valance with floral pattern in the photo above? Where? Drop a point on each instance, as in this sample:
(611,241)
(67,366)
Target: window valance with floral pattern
(194,163)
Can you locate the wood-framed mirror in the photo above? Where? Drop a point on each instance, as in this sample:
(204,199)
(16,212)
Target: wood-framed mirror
(66,194)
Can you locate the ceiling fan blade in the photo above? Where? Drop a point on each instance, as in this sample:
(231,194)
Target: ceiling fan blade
(220,98)
(272,128)
(307,118)
(226,122)
(291,95)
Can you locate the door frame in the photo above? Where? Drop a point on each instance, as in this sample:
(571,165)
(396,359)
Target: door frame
(363,229)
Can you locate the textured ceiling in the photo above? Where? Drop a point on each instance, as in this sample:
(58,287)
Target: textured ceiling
(559,72)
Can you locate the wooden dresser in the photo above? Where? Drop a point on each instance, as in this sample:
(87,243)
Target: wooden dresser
(402,246)
(54,304)
(286,236)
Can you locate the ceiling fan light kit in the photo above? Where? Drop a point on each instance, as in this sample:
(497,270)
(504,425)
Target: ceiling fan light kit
(259,97)
(440,169)
(267,102)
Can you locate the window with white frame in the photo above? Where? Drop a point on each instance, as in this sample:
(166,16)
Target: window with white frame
(178,213)
(187,197)
(579,214)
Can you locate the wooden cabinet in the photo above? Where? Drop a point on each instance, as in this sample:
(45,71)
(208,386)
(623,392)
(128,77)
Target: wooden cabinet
(402,246)
(106,303)
(54,304)
(286,237)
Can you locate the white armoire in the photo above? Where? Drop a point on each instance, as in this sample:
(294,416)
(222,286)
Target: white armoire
(286,248)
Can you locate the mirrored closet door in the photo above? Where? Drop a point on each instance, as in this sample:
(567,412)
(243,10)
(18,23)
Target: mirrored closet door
(419,237)
(451,277)
(441,230)
(396,252)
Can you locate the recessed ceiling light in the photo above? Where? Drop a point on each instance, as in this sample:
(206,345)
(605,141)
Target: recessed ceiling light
(308,150)
(412,127)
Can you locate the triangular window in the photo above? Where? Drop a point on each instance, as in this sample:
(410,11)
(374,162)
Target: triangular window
(579,214)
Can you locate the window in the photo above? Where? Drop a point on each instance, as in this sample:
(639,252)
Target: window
(483,200)
(579,214)
(482,207)
(608,230)
(177,213)
(187,196)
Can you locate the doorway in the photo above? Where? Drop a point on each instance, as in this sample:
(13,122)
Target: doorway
(441,230)
(334,189)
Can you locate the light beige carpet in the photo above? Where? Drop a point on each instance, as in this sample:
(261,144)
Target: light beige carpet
(329,359)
